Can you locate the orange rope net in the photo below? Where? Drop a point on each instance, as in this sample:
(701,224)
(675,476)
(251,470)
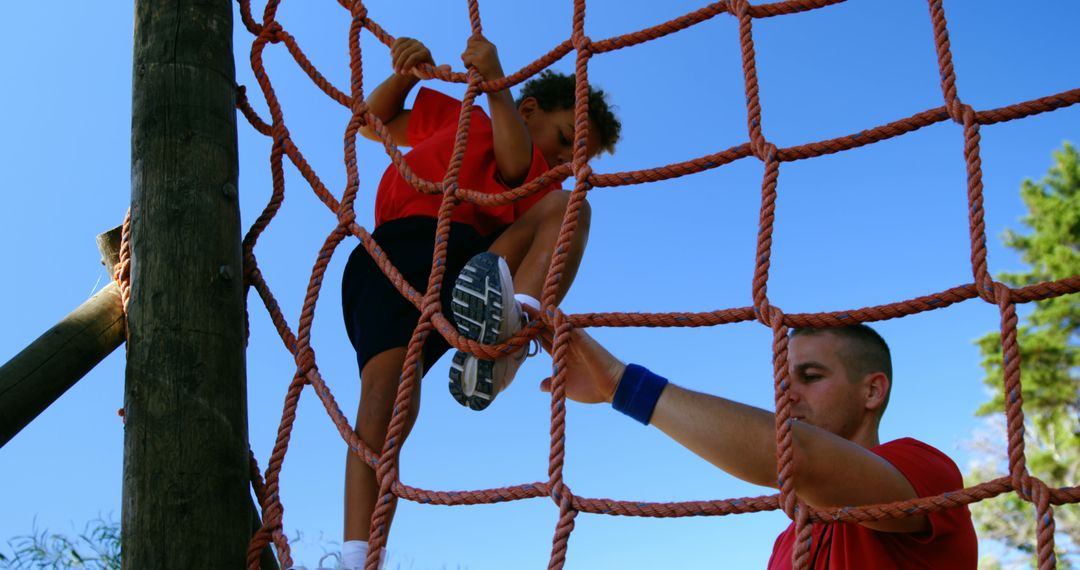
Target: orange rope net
(432,321)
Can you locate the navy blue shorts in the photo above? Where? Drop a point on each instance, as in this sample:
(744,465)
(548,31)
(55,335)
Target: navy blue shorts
(377,316)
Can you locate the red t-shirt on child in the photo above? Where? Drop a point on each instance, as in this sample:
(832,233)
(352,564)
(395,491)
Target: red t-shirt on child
(950,544)
(432,127)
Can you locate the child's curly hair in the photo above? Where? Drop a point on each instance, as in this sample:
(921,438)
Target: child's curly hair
(555,91)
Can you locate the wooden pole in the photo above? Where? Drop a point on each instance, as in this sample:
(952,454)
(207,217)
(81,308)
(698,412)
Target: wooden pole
(186,489)
(33,379)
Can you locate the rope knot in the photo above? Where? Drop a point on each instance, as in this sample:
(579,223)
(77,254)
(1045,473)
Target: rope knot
(346,216)
(960,112)
(738,7)
(273,32)
(767,314)
(559,492)
(305,361)
(583,172)
(1025,485)
(475,79)
(359,12)
(279,133)
(1040,492)
(360,108)
(583,44)
(763,149)
(993,291)
(361,114)
(430,307)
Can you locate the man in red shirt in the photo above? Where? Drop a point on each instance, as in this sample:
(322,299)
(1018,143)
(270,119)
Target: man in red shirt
(493,251)
(840,381)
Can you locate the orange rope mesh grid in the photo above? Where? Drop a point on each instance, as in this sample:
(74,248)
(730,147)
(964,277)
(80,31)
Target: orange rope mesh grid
(432,321)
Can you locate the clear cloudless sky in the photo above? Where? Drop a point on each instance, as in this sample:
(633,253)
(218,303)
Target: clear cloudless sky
(868,226)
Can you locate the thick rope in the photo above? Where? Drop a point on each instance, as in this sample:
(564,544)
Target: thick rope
(432,321)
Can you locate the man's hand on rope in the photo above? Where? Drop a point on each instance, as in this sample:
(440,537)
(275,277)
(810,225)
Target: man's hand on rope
(482,54)
(592,373)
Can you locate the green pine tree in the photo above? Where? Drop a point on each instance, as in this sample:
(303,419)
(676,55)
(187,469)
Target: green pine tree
(1049,357)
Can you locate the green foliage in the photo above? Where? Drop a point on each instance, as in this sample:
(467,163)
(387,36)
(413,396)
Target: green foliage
(1049,360)
(97,547)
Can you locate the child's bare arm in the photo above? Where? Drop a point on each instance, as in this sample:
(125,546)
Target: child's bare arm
(387,101)
(513,145)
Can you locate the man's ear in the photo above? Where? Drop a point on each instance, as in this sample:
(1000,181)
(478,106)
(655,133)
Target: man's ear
(876,385)
(528,107)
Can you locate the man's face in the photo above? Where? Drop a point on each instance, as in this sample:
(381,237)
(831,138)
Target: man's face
(821,392)
(553,132)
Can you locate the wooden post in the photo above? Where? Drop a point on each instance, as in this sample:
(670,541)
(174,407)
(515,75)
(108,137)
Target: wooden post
(186,489)
(33,379)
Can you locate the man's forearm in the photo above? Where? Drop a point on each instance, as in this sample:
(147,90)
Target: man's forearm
(735,437)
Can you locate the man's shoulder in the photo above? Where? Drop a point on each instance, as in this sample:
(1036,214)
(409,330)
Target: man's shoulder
(922,463)
(910,445)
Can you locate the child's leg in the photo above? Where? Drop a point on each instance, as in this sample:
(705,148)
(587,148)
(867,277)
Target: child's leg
(529,243)
(379,380)
(380,323)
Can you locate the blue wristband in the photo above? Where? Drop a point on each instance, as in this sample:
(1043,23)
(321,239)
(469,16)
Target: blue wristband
(639,390)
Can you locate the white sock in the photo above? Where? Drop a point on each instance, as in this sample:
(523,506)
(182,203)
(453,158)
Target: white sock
(528,301)
(353,553)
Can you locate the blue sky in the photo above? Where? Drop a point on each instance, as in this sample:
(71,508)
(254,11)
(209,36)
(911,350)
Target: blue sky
(865,227)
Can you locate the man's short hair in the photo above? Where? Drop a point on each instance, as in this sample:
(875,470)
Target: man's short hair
(865,352)
(554,91)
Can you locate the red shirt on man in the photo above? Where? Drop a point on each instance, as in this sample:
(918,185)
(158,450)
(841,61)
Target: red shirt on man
(949,544)
(432,129)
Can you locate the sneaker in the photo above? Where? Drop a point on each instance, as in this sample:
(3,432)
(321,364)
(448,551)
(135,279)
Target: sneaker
(485,311)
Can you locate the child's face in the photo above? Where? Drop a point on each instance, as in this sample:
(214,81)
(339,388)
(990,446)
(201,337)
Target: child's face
(553,132)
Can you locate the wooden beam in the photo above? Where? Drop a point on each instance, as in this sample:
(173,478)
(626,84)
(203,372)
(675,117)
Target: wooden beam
(186,488)
(108,243)
(43,371)
(34,378)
